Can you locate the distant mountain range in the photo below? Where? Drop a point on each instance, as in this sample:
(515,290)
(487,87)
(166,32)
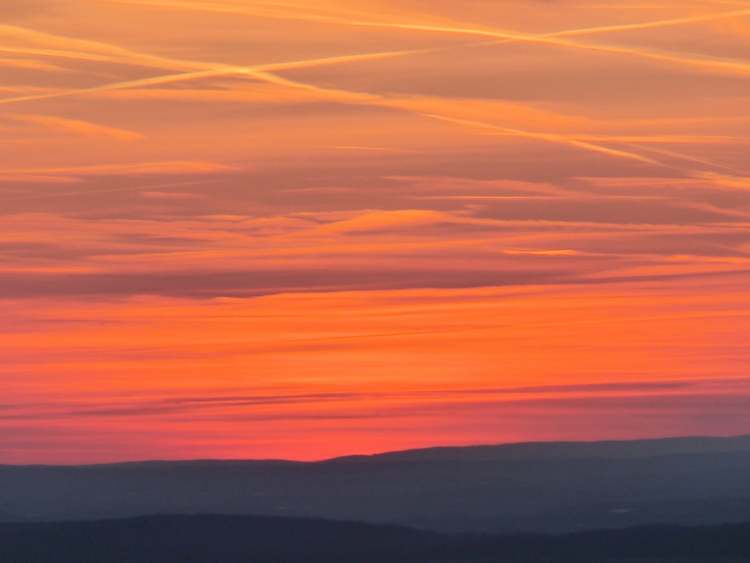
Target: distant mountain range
(247,539)
(535,487)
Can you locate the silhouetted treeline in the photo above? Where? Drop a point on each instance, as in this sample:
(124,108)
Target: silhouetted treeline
(247,539)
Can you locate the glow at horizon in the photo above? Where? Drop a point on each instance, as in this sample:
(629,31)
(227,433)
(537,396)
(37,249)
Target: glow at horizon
(302,229)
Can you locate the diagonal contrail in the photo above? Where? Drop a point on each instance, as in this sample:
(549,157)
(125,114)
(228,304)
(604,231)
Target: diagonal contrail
(407,105)
(221,70)
(554,38)
(265,72)
(550,137)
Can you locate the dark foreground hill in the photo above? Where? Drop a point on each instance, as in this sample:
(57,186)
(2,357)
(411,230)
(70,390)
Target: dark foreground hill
(246,539)
(544,487)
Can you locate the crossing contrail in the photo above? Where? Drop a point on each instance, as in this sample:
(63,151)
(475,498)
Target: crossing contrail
(555,38)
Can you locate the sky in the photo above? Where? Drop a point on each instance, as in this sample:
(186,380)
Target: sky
(309,228)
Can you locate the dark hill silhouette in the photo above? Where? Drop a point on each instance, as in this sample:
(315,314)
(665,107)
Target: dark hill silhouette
(247,539)
(537,451)
(545,487)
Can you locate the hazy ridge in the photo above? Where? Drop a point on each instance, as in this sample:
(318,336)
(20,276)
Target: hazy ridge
(537,487)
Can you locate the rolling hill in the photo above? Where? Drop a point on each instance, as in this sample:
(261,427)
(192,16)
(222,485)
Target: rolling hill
(248,539)
(552,487)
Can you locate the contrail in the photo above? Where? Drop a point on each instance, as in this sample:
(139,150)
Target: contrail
(550,137)
(92,50)
(270,12)
(379,100)
(56,53)
(259,72)
(264,73)
(117,85)
(193,69)
(555,38)
(688,158)
(688,20)
(571,140)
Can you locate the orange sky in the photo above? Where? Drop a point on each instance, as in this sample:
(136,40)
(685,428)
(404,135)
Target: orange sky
(307,228)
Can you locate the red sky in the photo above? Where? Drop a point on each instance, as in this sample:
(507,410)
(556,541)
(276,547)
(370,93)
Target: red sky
(311,228)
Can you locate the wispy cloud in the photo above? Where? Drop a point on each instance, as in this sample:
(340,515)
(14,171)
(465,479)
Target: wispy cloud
(77,127)
(238,405)
(126,169)
(30,64)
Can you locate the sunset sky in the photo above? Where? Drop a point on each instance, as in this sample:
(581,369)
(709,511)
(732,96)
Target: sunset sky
(307,228)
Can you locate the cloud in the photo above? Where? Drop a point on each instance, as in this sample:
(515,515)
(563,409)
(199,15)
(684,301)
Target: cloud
(176,167)
(24,178)
(30,64)
(249,283)
(77,127)
(207,284)
(170,195)
(632,392)
(12,10)
(741,183)
(660,139)
(697,180)
(387,220)
(495,236)
(259,93)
